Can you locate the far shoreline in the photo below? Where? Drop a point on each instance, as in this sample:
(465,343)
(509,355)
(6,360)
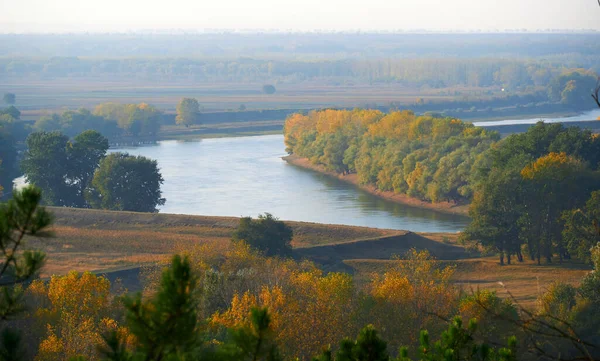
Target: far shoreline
(442,207)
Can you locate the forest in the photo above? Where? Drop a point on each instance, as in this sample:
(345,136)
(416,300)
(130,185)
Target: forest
(536,190)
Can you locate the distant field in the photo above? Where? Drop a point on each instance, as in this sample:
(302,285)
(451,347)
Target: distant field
(118,243)
(39,96)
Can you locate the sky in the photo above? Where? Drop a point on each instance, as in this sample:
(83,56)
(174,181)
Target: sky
(26,16)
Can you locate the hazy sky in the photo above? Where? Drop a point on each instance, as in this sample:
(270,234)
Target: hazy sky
(297,15)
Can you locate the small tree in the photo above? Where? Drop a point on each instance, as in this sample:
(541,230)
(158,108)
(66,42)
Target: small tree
(9,98)
(268,89)
(188,112)
(267,233)
(126,183)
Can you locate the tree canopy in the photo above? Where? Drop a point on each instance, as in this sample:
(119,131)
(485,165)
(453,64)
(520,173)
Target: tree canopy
(266,233)
(188,112)
(126,183)
(63,168)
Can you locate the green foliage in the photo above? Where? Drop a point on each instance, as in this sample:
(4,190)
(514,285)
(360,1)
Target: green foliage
(573,88)
(525,183)
(165,325)
(188,112)
(267,234)
(455,344)
(9,98)
(72,123)
(126,183)
(63,168)
(21,216)
(133,119)
(582,228)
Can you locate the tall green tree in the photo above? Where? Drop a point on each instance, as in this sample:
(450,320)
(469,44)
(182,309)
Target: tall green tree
(188,112)
(126,183)
(20,217)
(266,233)
(45,165)
(85,153)
(63,168)
(582,228)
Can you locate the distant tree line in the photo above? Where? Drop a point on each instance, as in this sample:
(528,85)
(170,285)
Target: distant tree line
(429,72)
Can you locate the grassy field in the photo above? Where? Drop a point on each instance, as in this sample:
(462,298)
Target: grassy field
(37,96)
(118,243)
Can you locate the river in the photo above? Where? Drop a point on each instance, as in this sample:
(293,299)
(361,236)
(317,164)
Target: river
(245,176)
(583,117)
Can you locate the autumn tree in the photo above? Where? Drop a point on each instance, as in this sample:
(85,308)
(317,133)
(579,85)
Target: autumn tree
(188,112)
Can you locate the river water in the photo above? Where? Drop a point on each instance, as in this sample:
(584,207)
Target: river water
(246,176)
(583,117)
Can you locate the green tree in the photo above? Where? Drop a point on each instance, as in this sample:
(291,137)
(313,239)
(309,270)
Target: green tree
(45,165)
(11,111)
(164,325)
(63,168)
(267,234)
(126,183)
(85,153)
(582,228)
(9,98)
(20,217)
(188,112)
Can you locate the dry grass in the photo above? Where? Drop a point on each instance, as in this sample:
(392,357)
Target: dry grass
(102,240)
(525,281)
(107,241)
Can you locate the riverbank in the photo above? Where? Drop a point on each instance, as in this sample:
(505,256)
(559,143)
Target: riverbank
(444,207)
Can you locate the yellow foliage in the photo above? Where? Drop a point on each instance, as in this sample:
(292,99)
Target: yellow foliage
(76,314)
(553,165)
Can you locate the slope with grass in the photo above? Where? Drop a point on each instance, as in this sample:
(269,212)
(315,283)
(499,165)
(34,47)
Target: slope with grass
(122,244)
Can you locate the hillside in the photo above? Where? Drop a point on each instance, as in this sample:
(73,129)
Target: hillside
(119,243)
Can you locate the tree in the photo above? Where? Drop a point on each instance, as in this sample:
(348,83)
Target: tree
(45,165)
(9,98)
(188,112)
(267,233)
(165,324)
(20,217)
(85,154)
(582,228)
(268,89)
(126,183)
(63,168)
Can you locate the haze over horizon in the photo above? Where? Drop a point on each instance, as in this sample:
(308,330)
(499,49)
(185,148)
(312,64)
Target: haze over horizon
(42,16)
